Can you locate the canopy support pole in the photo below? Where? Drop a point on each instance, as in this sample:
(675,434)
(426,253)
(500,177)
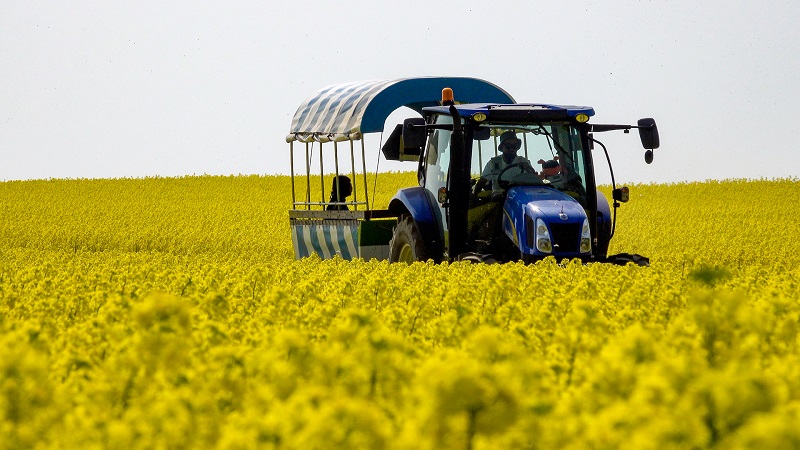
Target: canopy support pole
(291,169)
(364,164)
(338,196)
(308,179)
(353,174)
(321,175)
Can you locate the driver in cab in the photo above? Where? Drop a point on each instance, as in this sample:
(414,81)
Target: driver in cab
(485,212)
(509,145)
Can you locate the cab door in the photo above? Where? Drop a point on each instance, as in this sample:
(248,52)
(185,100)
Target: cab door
(436,168)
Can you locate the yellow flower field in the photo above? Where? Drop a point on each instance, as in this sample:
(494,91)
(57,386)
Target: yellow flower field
(170,313)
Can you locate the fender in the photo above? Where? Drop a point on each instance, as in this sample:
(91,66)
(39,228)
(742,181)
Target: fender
(603,208)
(420,204)
(417,202)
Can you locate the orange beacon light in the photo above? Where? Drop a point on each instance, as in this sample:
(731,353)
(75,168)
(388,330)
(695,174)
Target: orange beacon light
(447,96)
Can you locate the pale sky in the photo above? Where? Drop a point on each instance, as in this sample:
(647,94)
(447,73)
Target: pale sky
(133,89)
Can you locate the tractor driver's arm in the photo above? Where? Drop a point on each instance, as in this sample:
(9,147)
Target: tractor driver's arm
(527,166)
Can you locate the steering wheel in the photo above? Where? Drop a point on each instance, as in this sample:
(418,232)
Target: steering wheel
(505,184)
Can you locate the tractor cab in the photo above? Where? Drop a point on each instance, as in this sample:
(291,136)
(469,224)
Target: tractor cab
(520,164)
(516,181)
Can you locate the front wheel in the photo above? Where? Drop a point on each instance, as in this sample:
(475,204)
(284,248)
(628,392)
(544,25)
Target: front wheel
(407,244)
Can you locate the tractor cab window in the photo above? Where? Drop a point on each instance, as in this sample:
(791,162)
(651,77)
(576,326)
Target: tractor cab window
(437,156)
(553,150)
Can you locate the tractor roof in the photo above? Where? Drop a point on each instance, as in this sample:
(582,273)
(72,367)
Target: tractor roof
(517,112)
(345,111)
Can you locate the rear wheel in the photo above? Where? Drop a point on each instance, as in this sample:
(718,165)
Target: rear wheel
(407,244)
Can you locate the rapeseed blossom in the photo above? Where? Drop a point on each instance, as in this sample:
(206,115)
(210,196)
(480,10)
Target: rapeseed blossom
(170,313)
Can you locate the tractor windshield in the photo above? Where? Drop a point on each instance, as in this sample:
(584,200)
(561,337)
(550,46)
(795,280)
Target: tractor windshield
(552,150)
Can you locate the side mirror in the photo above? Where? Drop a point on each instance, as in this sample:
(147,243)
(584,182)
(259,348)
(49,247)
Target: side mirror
(391,148)
(648,156)
(648,133)
(406,141)
(414,133)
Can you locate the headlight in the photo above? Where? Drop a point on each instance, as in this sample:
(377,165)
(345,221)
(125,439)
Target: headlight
(543,242)
(586,237)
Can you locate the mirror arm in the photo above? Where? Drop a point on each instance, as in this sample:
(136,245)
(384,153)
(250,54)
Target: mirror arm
(602,127)
(434,126)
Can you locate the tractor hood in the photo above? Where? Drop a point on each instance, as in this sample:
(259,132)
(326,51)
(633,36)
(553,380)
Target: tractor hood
(545,202)
(562,214)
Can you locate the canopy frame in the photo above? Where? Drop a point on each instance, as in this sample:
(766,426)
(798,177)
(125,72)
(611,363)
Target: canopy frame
(345,111)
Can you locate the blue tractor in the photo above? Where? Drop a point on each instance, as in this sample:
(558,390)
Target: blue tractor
(499,181)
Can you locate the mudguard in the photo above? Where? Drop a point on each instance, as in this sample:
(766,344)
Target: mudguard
(421,205)
(603,209)
(417,201)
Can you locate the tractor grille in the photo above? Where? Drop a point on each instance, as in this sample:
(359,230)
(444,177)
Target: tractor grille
(566,237)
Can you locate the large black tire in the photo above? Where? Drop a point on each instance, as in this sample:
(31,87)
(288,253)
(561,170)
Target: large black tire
(407,244)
